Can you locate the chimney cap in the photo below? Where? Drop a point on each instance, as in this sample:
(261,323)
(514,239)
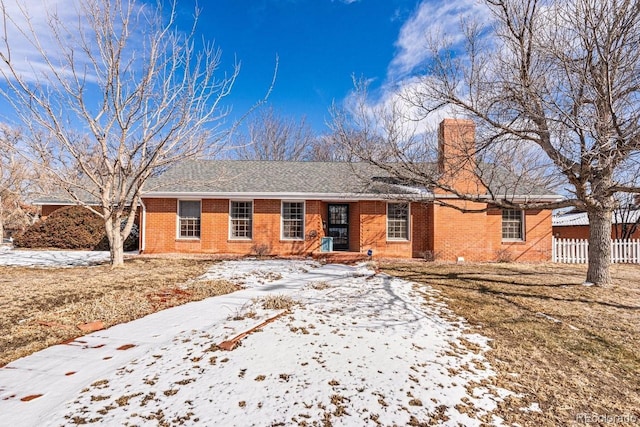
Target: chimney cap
(457,122)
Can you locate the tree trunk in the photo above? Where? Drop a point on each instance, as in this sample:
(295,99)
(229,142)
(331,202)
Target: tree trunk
(116,247)
(1,221)
(599,247)
(116,243)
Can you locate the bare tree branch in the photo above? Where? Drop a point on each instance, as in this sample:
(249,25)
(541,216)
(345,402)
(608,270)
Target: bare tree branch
(124,95)
(554,89)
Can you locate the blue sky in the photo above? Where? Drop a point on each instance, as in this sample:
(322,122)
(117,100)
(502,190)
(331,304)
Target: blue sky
(321,44)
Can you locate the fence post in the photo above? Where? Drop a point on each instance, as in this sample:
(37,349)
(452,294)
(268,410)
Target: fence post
(576,251)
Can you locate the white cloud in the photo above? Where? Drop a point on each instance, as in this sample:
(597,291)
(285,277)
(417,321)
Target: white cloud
(36,50)
(23,23)
(432,18)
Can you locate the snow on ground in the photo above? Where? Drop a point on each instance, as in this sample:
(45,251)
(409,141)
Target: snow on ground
(359,349)
(16,257)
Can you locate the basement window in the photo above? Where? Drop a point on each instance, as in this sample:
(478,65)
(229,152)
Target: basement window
(189,219)
(512,225)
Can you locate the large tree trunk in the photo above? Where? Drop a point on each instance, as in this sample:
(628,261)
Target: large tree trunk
(117,250)
(599,247)
(116,243)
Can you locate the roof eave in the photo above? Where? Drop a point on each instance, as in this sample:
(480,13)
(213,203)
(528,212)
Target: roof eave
(278,196)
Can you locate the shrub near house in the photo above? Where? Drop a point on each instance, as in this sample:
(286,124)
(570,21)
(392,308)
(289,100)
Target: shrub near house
(70,227)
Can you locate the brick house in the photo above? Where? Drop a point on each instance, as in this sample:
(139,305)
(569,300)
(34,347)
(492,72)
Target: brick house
(287,208)
(575,225)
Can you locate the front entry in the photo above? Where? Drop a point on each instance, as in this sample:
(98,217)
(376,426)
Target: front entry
(338,226)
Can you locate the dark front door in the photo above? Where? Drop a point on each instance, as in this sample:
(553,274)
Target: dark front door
(338,226)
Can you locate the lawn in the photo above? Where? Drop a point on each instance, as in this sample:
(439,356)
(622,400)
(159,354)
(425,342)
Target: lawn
(573,349)
(44,306)
(570,350)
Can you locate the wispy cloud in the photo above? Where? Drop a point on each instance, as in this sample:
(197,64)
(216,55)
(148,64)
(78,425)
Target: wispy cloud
(26,27)
(47,35)
(432,18)
(442,18)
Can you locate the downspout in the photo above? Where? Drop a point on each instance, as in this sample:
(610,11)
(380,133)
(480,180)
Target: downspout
(143,226)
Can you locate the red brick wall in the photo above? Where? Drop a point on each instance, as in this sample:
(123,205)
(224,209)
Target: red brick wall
(537,244)
(420,221)
(373,231)
(467,235)
(445,232)
(478,236)
(161,230)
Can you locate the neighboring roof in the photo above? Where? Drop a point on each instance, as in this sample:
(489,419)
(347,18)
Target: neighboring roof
(581,219)
(60,197)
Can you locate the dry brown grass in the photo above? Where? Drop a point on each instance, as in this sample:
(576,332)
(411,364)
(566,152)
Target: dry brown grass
(277,302)
(44,306)
(573,349)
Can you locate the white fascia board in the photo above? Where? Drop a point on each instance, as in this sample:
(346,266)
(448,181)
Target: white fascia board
(515,198)
(67,203)
(276,196)
(421,196)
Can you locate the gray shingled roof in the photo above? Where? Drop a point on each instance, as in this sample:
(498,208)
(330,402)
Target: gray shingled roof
(233,176)
(282,177)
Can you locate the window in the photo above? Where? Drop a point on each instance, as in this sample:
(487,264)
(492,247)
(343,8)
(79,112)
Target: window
(241,214)
(398,221)
(293,220)
(512,224)
(189,219)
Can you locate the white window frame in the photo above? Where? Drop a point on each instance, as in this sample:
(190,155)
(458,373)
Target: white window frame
(179,218)
(522,237)
(282,219)
(408,222)
(231,236)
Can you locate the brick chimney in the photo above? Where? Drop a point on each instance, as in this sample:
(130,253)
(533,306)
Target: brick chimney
(456,156)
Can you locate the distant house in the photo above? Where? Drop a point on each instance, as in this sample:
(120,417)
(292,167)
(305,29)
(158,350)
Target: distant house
(287,208)
(575,225)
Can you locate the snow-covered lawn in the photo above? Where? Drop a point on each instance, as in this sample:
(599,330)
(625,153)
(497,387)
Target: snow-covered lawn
(359,349)
(17,257)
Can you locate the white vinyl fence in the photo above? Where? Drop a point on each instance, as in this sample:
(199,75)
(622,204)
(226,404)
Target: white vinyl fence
(576,251)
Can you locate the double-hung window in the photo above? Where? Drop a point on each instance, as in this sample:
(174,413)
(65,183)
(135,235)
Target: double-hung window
(512,224)
(189,219)
(241,219)
(292,220)
(397,221)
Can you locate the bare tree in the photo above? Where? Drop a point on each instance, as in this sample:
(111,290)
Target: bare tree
(559,80)
(15,179)
(626,216)
(270,136)
(111,96)
(327,148)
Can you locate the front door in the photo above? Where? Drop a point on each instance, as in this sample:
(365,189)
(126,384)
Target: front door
(338,226)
